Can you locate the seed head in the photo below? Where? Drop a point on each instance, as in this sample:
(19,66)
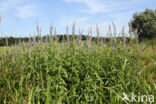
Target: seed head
(51,33)
(67,34)
(73,30)
(55,34)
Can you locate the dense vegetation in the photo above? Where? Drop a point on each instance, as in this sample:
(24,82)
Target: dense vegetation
(76,71)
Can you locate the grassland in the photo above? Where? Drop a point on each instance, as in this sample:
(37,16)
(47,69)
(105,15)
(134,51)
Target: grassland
(77,72)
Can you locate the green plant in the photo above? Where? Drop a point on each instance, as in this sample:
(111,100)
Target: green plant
(58,73)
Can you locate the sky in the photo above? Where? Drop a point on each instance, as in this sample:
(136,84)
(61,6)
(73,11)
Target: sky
(19,16)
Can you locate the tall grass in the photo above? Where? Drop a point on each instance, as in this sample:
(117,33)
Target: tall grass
(67,73)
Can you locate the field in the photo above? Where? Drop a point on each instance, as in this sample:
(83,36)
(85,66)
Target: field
(77,72)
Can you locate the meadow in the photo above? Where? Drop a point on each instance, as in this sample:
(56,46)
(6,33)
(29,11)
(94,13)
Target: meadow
(77,72)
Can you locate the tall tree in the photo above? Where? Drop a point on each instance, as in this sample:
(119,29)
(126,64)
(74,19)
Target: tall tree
(145,24)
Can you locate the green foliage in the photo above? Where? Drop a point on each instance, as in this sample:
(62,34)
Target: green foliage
(55,73)
(145,23)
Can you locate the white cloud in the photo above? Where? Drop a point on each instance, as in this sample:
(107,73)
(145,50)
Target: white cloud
(118,12)
(8,4)
(103,6)
(94,5)
(26,11)
(16,8)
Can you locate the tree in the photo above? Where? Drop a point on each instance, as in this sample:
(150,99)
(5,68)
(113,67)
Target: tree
(145,24)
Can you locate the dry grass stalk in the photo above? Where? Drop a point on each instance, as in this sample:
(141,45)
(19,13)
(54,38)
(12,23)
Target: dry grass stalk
(80,37)
(111,40)
(23,46)
(102,41)
(77,38)
(67,34)
(136,36)
(55,34)
(97,32)
(40,34)
(110,35)
(34,40)
(80,34)
(15,50)
(46,40)
(51,33)
(114,31)
(73,30)
(123,35)
(19,42)
(30,43)
(88,39)
(91,33)
(38,29)
(130,29)
(110,31)
(6,41)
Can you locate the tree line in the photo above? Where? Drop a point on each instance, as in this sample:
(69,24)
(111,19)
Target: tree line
(10,41)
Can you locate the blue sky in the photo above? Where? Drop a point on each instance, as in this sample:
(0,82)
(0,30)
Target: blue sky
(19,16)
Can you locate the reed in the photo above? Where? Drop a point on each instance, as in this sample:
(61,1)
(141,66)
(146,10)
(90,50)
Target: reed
(73,30)
(67,34)
(136,36)
(88,40)
(6,41)
(64,73)
(115,33)
(97,32)
(55,34)
(51,33)
(123,35)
